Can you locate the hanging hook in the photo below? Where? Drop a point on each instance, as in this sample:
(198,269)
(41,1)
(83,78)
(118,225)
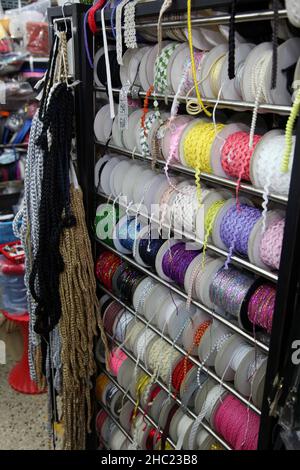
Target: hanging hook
(64,16)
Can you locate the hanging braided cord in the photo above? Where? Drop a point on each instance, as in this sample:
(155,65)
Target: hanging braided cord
(29,233)
(78,327)
(48,262)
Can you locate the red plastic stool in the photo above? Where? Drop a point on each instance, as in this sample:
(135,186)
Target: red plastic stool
(19,377)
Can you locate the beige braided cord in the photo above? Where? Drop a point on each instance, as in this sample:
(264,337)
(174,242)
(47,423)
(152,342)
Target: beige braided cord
(78,327)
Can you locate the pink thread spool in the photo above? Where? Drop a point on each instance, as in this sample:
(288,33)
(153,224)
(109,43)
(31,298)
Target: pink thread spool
(261,307)
(116,358)
(237,424)
(236,155)
(172,136)
(271,244)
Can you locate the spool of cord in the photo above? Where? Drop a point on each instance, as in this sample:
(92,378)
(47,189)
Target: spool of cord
(236,226)
(126,233)
(271,244)
(127,282)
(110,314)
(236,423)
(230,290)
(121,325)
(116,358)
(100,68)
(106,266)
(197,143)
(261,307)
(148,249)
(236,155)
(176,261)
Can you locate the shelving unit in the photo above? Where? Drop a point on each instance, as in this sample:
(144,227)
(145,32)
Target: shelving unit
(280,371)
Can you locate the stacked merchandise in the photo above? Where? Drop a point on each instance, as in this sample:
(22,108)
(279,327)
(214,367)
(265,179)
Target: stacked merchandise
(23,58)
(190,231)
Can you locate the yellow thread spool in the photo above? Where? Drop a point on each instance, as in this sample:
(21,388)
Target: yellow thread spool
(197,146)
(101,382)
(141,384)
(215,75)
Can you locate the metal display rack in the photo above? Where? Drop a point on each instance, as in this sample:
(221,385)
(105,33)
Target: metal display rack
(286,325)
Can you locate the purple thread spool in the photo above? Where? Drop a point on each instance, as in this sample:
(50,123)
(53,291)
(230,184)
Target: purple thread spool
(176,261)
(236,227)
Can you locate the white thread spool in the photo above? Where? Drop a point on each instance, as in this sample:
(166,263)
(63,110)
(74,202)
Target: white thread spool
(179,426)
(140,188)
(133,334)
(98,168)
(246,372)
(125,415)
(287,55)
(154,301)
(202,393)
(230,356)
(103,123)
(117,176)
(141,292)
(178,319)
(180,59)
(106,172)
(251,72)
(123,376)
(155,409)
(149,196)
(142,342)
(204,279)
(143,70)
(131,176)
(231,89)
(258,384)
(117,439)
(128,134)
(265,164)
(121,324)
(211,342)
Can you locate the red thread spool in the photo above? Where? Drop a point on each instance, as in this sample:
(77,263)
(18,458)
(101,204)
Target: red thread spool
(110,315)
(150,439)
(236,155)
(180,371)
(106,266)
